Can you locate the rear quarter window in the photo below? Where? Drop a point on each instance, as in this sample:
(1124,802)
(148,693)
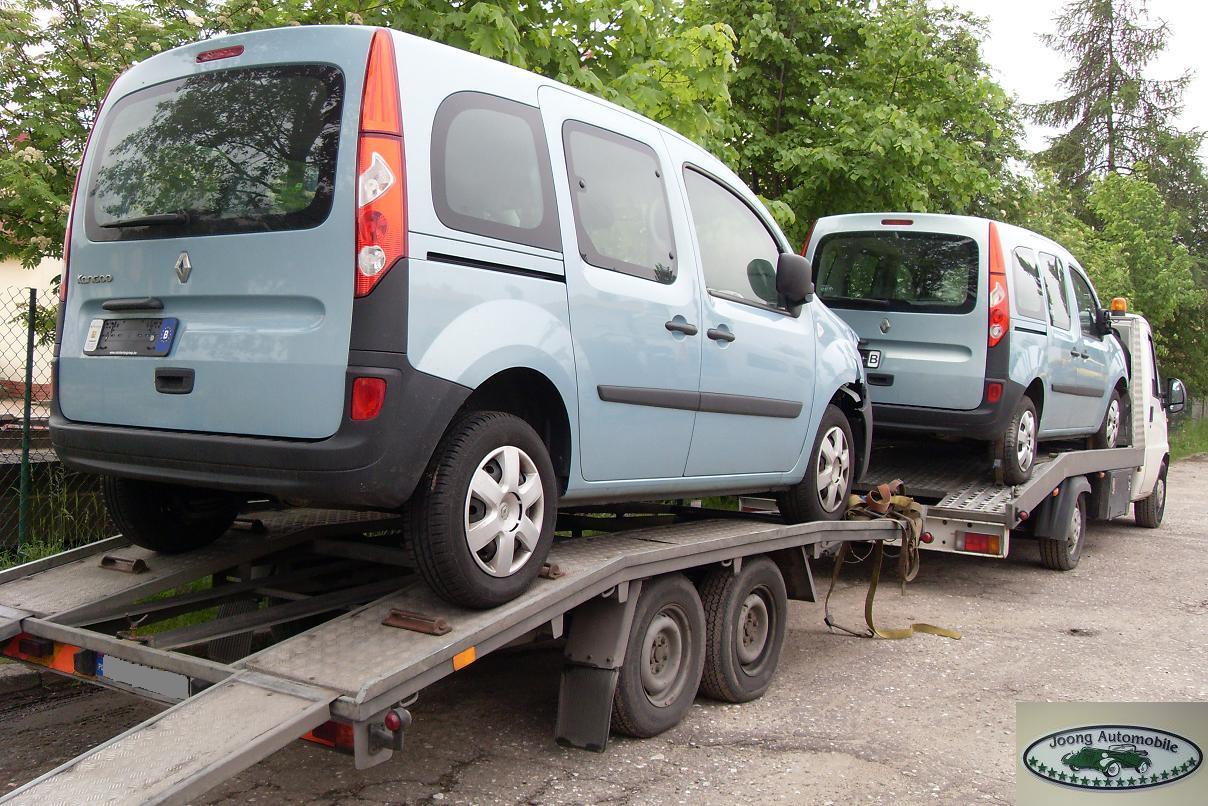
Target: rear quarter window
(923,272)
(1029,292)
(491,172)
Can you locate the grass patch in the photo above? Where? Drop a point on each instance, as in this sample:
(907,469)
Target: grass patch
(28,552)
(1190,437)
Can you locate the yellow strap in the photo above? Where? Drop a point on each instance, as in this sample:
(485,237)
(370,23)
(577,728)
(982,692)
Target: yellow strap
(893,633)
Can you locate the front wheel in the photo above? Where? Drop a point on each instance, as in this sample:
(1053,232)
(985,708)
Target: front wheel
(822,494)
(482,518)
(1149,511)
(1112,770)
(168,518)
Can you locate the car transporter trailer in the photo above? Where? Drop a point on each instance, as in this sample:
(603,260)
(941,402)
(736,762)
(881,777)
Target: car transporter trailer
(89,613)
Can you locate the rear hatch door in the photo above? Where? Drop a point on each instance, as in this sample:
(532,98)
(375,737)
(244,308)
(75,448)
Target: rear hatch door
(211,262)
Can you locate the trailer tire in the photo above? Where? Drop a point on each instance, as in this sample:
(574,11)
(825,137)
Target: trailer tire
(167,518)
(438,516)
(804,501)
(1062,553)
(745,617)
(664,658)
(1017,447)
(1149,511)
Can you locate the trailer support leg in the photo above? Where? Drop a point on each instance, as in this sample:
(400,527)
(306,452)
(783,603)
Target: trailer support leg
(595,650)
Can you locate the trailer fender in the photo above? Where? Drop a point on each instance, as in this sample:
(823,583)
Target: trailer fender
(1053,515)
(794,566)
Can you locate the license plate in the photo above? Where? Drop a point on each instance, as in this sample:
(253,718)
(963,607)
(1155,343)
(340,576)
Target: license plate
(151,337)
(872,358)
(168,685)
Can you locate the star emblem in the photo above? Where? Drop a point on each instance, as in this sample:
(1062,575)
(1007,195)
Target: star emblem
(1085,781)
(1061,776)
(1165,775)
(1153,779)
(1132,781)
(1120,782)
(1032,761)
(1098,782)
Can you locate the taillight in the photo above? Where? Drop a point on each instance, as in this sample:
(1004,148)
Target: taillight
(368,395)
(993,392)
(381,220)
(978,542)
(1000,309)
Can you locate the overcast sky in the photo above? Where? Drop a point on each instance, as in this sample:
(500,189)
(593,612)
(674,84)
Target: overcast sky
(1031,71)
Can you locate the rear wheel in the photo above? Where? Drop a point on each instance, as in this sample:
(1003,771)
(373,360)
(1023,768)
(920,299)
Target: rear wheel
(1062,553)
(1148,512)
(1016,449)
(663,659)
(1111,430)
(482,518)
(168,518)
(822,494)
(745,617)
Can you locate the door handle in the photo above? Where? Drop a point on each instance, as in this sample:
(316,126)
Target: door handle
(687,328)
(717,334)
(1075,354)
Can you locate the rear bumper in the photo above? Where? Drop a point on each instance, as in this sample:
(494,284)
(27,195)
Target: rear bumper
(986,422)
(372,463)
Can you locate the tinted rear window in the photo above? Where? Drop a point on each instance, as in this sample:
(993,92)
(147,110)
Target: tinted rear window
(245,150)
(925,272)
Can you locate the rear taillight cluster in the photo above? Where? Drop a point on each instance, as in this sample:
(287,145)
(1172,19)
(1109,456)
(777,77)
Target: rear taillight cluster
(1000,308)
(381,225)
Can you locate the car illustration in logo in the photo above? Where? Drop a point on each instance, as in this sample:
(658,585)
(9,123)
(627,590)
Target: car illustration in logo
(1110,762)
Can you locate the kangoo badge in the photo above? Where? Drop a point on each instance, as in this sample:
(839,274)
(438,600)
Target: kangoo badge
(1112,757)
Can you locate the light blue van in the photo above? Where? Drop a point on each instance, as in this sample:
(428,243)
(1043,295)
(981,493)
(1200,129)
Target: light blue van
(974,328)
(347,266)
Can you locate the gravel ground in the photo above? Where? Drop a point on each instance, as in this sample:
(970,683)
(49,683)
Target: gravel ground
(920,721)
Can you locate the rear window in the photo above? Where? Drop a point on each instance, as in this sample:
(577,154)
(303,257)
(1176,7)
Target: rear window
(925,272)
(244,150)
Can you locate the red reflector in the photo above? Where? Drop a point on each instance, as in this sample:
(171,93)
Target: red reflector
(896,222)
(979,543)
(220,53)
(368,394)
(993,392)
(393,721)
(927,537)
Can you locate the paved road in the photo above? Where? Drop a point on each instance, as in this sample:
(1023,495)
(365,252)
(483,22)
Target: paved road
(922,721)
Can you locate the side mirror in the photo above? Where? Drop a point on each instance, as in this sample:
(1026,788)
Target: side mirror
(1176,396)
(793,281)
(1103,321)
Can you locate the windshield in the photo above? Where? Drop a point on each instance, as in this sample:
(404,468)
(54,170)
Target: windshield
(925,272)
(245,150)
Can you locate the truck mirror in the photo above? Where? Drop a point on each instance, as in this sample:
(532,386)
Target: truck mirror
(1176,396)
(1103,321)
(793,281)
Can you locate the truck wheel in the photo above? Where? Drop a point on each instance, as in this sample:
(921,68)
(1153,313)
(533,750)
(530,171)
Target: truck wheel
(663,659)
(1148,512)
(168,518)
(1111,430)
(482,518)
(1063,553)
(1016,449)
(822,494)
(745,618)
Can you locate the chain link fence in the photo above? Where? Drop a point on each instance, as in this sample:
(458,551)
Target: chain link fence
(43,506)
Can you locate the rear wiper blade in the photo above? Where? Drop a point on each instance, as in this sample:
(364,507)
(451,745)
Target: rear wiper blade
(156,220)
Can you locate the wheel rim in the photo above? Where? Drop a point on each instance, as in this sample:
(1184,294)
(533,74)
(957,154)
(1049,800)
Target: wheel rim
(833,469)
(1025,440)
(1112,769)
(1143,767)
(1112,431)
(754,627)
(504,511)
(1075,535)
(663,650)
(1160,489)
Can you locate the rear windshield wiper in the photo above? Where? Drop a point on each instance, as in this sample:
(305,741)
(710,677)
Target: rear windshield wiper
(156,220)
(871,302)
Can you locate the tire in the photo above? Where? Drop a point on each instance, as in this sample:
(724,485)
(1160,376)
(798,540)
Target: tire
(1063,553)
(1111,433)
(664,658)
(167,518)
(745,615)
(1112,769)
(1143,767)
(1149,511)
(822,494)
(446,506)
(1016,448)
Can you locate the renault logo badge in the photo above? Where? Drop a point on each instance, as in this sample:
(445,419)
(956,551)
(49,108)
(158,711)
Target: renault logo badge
(183,267)
(884,322)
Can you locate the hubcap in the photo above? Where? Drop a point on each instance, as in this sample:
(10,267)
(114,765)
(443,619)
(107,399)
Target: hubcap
(1112,432)
(753,629)
(1025,440)
(663,656)
(833,469)
(1075,530)
(505,507)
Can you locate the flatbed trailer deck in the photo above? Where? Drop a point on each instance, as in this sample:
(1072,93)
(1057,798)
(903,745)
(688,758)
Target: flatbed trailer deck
(84,613)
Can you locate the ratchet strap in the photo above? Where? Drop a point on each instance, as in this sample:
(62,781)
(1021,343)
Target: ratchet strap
(885,501)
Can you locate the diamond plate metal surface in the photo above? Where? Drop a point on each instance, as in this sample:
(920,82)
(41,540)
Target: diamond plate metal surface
(229,727)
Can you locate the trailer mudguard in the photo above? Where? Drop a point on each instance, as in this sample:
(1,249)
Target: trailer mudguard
(1051,517)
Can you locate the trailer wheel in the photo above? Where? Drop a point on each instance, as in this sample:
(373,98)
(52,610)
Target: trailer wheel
(663,659)
(482,518)
(745,617)
(822,494)
(1149,511)
(1063,553)
(168,518)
